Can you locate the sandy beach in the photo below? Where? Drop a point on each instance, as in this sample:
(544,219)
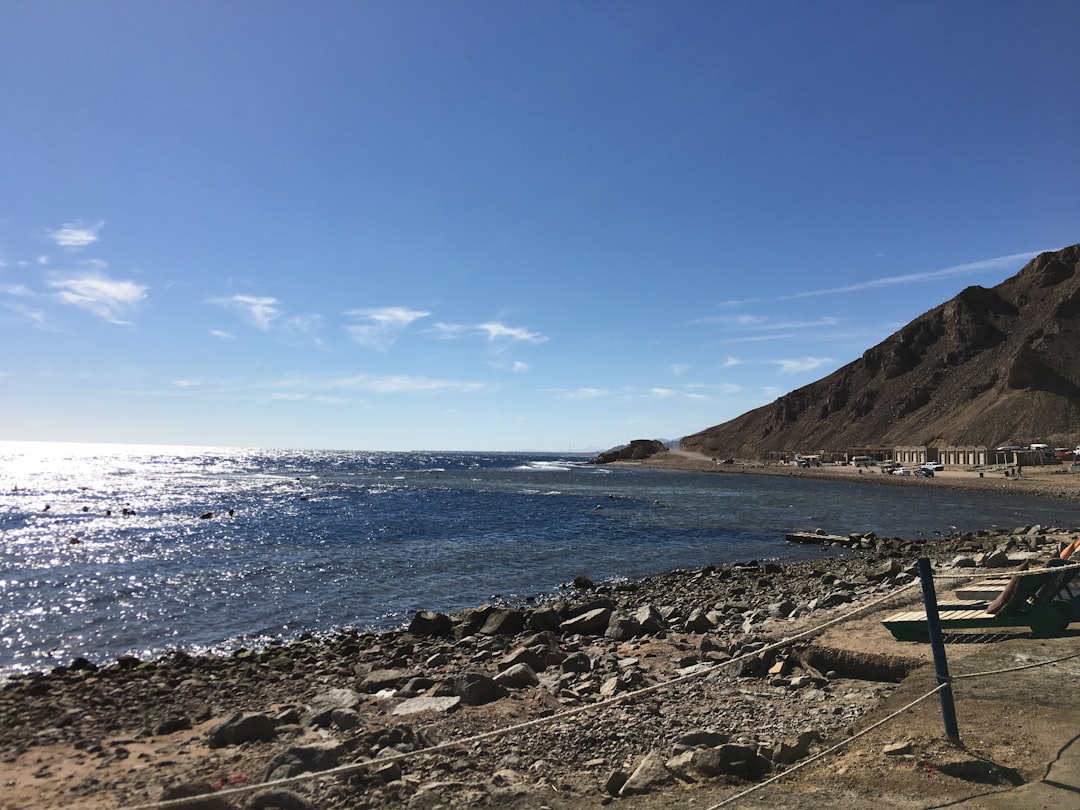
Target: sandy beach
(1049,481)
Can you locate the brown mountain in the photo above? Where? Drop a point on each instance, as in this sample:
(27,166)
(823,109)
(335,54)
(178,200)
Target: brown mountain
(990,367)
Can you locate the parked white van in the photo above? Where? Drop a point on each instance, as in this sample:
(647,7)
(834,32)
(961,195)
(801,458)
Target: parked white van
(862,461)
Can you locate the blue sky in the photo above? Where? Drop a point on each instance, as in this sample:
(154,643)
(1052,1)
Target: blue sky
(488,225)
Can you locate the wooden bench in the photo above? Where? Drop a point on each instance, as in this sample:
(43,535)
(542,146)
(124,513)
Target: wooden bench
(1032,605)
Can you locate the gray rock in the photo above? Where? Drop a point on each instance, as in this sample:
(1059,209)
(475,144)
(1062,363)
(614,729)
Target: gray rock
(346,719)
(242,727)
(886,571)
(578,662)
(649,619)
(173,723)
(544,618)
(380,679)
(897,749)
(518,676)
(470,621)
(503,622)
(698,763)
(430,623)
(476,689)
(417,705)
(592,623)
(698,622)
(545,639)
(311,758)
(649,774)
(737,760)
(323,706)
(390,772)
(615,781)
(622,628)
(610,687)
(524,655)
(997,559)
(707,738)
(414,687)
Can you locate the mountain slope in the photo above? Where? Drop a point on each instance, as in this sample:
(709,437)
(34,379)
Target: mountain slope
(991,366)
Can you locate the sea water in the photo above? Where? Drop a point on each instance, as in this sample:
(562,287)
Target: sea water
(110,550)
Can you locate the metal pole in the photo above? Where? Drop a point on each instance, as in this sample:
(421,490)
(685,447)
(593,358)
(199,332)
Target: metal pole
(937,645)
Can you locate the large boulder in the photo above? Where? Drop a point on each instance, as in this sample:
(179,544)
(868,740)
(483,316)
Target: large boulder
(504,622)
(379,679)
(242,727)
(431,623)
(650,773)
(593,623)
(319,756)
(321,710)
(635,451)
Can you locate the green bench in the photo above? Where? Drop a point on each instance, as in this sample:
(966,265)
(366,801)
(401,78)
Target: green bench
(1033,603)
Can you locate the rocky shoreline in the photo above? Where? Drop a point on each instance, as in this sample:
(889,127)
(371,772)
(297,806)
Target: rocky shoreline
(635,689)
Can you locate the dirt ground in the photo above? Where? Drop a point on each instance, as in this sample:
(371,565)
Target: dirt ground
(1011,725)
(1051,480)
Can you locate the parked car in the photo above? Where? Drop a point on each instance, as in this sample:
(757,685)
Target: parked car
(901,471)
(933,466)
(924,472)
(888,467)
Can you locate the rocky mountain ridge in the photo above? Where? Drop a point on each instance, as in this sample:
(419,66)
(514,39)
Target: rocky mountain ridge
(989,367)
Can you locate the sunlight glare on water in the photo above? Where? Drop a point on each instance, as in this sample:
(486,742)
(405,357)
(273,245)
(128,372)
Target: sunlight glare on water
(106,550)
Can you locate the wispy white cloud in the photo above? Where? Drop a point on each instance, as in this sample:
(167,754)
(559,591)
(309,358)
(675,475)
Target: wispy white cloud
(494,331)
(383,325)
(999,263)
(33,316)
(723,389)
(298,397)
(259,312)
(20,290)
(762,323)
(758,338)
(187,383)
(221,333)
(304,324)
(678,369)
(730,362)
(110,299)
(76,234)
(627,393)
(404,384)
(583,393)
(801,364)
(519,367)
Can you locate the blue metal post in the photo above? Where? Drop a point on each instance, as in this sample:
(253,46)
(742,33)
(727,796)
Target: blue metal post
(937,645)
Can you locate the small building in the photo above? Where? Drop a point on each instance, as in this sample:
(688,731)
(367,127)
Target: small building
(914,455)
(963,456)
